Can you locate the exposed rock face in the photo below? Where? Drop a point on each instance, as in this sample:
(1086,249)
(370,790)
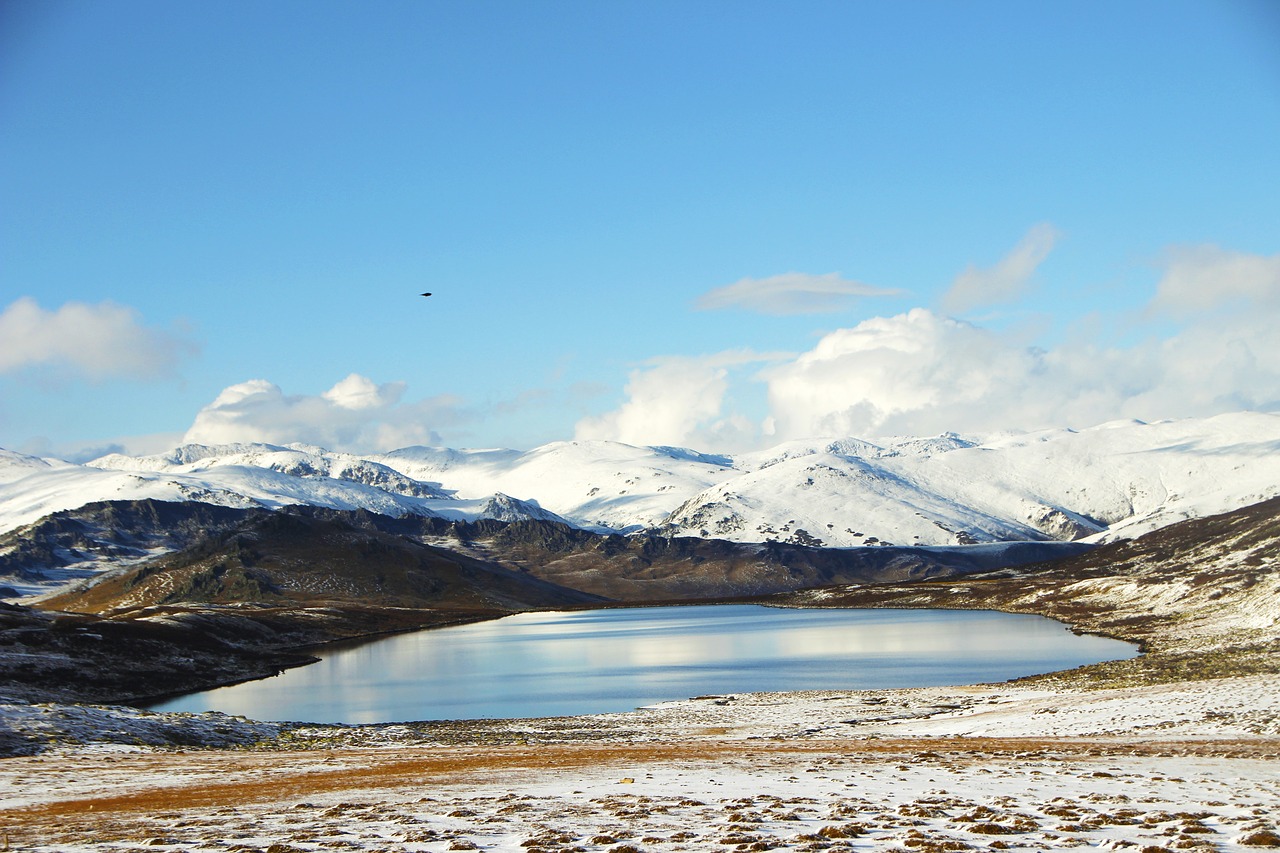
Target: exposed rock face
(103,535)
(502,507)
(1062,524)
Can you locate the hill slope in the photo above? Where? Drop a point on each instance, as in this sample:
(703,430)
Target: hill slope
(300,552)
(1202,597)
(315,559)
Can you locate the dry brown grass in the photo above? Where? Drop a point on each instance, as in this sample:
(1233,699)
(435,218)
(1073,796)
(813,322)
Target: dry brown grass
(268,777)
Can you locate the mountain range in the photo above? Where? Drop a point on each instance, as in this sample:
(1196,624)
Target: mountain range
(1112,481)
(208,565)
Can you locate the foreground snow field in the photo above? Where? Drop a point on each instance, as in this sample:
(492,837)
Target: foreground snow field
(1194,765)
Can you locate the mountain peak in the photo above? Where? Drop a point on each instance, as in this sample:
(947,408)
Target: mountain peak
(1112,481)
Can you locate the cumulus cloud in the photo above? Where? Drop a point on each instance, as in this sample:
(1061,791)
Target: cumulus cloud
(924,373)
(358,392)
(1004,282)
(677,400)
(789,293)
(887,370)
(103,341)
(921,373)
(1200,278)
(356,415)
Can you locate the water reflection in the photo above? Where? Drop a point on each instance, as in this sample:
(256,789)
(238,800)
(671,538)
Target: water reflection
(549,664)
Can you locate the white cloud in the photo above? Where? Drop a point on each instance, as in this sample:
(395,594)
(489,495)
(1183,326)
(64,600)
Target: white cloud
(1005,281)
(920,373)
(1200,278)
(925,373)
(356,415)
(677,400)
(915,373)
(102,341)
(359,392)
(917,369)
(789,293)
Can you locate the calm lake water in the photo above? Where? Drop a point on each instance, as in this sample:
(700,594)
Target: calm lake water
(593,661)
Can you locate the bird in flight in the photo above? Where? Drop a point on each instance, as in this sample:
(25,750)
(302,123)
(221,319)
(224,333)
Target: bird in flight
(426,294)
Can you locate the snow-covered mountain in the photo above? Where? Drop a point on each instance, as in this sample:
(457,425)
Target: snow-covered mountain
(601,484)
(314,463)
(238,475)
(1115,480)
(1112,481)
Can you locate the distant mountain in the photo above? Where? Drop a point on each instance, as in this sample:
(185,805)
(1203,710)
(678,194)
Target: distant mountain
(1113,481)
(302,461)
(1109,482)
(240,476)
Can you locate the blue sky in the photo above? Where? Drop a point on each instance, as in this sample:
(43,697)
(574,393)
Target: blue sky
(717,224)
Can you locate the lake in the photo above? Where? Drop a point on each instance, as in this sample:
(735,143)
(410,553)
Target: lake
(593,661)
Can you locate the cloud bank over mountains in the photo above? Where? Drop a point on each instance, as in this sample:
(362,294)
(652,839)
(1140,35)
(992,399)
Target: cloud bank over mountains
(924,372)
(355,414)
(1205,343)
(679,401)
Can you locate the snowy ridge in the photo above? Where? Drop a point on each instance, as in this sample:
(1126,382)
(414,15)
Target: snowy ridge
(296,460)
(240,476)
(15,466)
(1116,480)
(600,485)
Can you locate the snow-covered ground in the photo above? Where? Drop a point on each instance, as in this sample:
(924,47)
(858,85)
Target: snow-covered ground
(1185,766)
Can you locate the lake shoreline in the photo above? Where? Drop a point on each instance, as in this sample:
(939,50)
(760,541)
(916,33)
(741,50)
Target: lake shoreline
(621,658)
